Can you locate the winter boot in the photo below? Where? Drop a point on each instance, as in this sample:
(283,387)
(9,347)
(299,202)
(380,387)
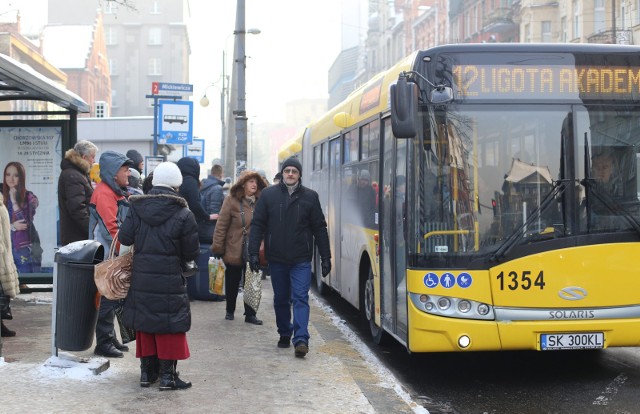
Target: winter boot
(148,370)
(169,380)
(6,332)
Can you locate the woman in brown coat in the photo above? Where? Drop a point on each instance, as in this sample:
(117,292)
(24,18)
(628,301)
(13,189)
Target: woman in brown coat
(228,236)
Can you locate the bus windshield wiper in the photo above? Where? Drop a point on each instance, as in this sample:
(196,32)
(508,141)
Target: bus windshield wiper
(558,188)
(607,201)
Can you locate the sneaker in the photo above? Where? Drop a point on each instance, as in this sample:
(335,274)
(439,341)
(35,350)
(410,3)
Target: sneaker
(284,342)
(301,349)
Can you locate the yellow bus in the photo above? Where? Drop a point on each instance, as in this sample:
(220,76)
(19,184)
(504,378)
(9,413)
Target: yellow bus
(485,197)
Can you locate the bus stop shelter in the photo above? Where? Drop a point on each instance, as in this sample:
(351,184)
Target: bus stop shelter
(38,124)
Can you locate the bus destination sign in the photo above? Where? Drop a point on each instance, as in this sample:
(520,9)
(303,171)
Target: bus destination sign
(475,82)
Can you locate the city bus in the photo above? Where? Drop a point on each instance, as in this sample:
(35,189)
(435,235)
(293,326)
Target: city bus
(484,197)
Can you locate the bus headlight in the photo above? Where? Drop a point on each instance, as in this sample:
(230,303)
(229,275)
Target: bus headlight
(452,307)
(464,306)
(444,303)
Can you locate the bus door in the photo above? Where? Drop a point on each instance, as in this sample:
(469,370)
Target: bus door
(400,228)
(333,219)
(393,306)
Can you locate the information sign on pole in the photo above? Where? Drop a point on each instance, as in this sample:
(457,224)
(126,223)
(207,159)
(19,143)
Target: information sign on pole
(195,150)
(175,122)
(151,162)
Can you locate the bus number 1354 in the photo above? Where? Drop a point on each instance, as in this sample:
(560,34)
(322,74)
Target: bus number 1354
(525,281)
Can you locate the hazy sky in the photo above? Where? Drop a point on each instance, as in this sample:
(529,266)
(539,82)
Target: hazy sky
(288,60)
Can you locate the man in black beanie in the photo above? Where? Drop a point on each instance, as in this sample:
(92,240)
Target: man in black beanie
(138,160)
(289,218)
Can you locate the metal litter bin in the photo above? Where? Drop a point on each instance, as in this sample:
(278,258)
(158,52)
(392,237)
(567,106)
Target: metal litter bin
(198,285)
(77,298)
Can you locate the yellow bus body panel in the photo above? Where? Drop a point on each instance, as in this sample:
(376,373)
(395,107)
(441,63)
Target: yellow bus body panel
(606,273)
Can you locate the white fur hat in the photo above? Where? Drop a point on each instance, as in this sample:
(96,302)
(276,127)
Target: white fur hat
(167,174)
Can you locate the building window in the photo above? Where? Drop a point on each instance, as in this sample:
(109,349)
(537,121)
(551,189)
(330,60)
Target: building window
(527,33)
(155,36)
(155,7)
(110,7)
(563,23)
(114,98)
(155,67)
(111,36)
(576,20)
(546,31)
(113,67)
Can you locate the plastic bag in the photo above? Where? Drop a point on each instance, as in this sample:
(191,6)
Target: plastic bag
(216,276)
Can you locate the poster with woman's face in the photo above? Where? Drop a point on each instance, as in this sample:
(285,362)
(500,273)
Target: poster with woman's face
(30,162)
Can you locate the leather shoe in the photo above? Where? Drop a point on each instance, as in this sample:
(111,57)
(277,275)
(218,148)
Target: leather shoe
(229,316)
(108,350)
(284,342)
(253,320)
(119,346)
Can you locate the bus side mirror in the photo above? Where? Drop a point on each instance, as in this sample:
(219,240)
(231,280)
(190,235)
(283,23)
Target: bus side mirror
(404,108)
(441,95)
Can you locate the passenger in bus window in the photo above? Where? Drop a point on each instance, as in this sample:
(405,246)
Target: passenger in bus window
(289,218)
(365,198)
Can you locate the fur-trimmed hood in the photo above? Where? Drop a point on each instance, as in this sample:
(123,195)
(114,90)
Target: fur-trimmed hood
(73,157)
(237,190)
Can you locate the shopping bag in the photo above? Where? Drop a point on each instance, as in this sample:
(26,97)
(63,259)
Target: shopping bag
(252,292)
(216,276)
(113,275)
(126,334)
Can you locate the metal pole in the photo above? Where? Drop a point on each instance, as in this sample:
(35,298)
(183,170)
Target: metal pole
(223,92)
(240,114)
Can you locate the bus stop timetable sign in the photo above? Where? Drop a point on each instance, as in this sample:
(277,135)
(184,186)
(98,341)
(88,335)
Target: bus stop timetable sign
(181,88)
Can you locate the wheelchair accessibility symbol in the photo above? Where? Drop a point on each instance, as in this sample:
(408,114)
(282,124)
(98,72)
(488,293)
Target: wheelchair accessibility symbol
(431,280)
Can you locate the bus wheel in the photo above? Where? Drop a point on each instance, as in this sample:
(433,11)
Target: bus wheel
(369,302)
(321,288)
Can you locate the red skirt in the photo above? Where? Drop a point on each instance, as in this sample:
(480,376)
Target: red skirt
(165,346)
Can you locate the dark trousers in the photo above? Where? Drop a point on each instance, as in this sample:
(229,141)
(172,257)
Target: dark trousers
(232,277)
(105,332)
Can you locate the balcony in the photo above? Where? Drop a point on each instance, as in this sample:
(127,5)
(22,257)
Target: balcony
(620,36)
(499,20)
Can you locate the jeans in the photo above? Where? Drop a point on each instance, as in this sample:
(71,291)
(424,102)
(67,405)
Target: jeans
(291,285)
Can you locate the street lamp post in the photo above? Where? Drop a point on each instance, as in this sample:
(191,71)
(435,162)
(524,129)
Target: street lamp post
(204,102)
(238,151)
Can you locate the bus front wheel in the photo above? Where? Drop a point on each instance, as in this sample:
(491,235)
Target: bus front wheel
(369,309)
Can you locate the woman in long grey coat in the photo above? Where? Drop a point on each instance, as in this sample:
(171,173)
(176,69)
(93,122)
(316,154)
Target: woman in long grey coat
(9,285)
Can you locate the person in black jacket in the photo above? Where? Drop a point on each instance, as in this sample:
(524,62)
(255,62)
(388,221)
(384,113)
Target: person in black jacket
(190,191)
(75,190)
(289,218)
(164,234)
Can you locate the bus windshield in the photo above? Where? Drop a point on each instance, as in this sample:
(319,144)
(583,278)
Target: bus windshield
(493,179)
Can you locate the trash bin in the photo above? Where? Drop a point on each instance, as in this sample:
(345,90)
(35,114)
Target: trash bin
(198,285)
(77,298)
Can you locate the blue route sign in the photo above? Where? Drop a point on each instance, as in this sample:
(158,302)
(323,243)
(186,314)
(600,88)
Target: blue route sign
(175,122)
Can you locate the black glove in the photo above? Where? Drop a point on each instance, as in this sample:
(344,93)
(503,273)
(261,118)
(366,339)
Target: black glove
(254,263)
(326,267)
(216,256)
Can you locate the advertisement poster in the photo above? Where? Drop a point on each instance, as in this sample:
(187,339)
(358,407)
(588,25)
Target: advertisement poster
(30,162)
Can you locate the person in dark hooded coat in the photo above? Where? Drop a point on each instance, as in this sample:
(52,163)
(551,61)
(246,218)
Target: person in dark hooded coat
(164,234)
(190,188)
